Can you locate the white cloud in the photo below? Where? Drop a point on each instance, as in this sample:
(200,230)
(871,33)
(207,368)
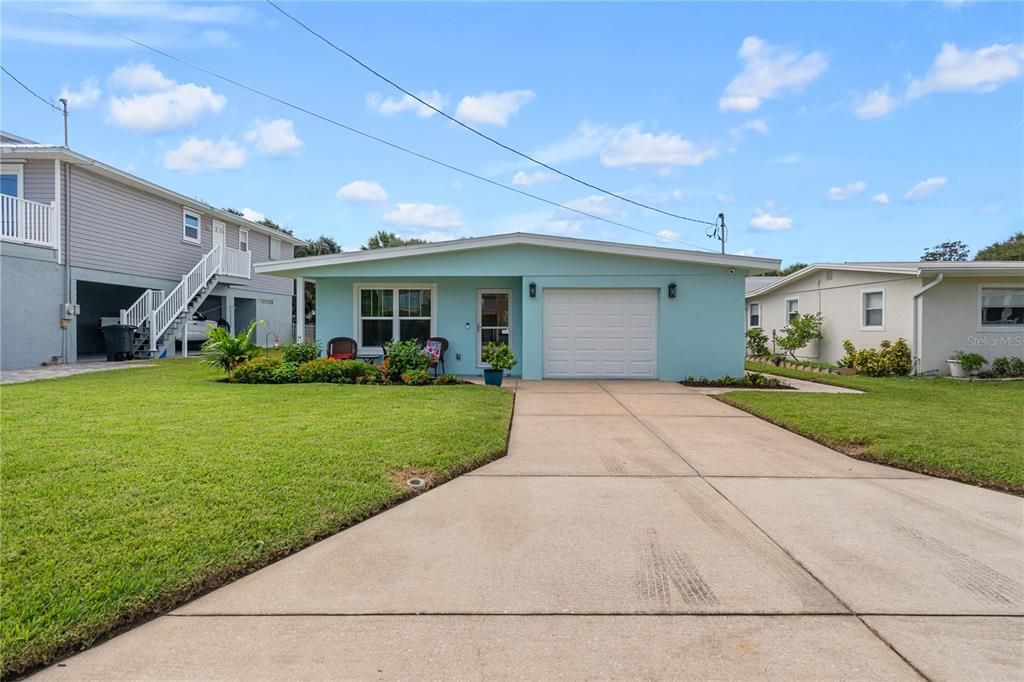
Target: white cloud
(424,215)
(195,155)
(86,97)
(274,138)
(216,37)
(560,227)
(184,12)
(766,220)
(492,107)
(725,198)
(254,216)
(745,252)
(758,125)
(877,103)
(366,191)
(595,204)
(768,72)
(389,106)
(587,140)
(881,198)
(982,70)
(991,208)
(668,236)
(165,106)
(524,179)
(142,77)
(630,147)
(847,192)
(72,38)
(789,158)
(925,189)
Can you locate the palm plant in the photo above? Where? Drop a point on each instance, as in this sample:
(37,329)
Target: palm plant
(228,351)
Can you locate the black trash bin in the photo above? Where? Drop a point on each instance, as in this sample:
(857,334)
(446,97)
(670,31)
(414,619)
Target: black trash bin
(118,339)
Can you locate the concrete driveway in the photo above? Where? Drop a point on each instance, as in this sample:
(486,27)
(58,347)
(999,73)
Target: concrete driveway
(635,530)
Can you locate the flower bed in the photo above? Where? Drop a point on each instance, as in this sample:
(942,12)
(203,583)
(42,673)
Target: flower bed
(748,380)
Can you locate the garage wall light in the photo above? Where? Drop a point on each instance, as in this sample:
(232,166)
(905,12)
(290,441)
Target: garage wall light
(533,290)
(672,289)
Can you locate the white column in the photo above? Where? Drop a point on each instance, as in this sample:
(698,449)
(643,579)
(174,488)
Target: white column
(300,309)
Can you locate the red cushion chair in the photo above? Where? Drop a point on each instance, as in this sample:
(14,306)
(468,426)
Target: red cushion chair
(342,348)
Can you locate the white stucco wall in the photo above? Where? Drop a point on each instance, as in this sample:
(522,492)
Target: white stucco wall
(839,301)
(950,322)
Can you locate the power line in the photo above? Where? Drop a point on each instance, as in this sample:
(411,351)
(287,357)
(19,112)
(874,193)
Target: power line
(30,90)
(375,138)
(480,133)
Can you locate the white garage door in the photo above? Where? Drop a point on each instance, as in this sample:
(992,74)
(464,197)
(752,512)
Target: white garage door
(600,333)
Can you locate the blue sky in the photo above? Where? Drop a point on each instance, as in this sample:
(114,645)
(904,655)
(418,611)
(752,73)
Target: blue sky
(823,131)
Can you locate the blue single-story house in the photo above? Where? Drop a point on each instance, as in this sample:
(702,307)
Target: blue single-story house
(568,308)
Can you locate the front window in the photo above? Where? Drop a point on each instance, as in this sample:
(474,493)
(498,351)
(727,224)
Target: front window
(9,184)
(275,249)
(243,239)
(755,315)
(190,227)
(874,309)
(1002,307)
(387,313)
(792,309)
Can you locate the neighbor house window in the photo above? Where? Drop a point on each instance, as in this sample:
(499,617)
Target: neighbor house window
(872,309)
(243,239)
(792,309)
(275,249)
(10,180)
(190,230)
(1001,307)
(755,315)
(391,312)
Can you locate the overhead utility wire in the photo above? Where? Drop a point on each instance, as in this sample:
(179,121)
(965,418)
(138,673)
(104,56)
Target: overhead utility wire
(473,130)
(30,90)
(381,140)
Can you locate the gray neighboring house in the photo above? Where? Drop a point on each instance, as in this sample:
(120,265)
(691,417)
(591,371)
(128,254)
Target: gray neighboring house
(938,307)
(82,242)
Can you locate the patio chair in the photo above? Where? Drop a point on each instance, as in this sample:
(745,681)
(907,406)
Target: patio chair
(342,348)
(439,362)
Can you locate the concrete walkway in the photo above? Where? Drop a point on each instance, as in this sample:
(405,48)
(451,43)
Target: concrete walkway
(19,376)
(635,530)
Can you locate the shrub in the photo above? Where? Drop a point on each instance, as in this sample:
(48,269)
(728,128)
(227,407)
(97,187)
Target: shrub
(372,375)
(970,362)
(889,359)
(1008,367)
(498,356)
(256,371)
(353,369)
(417,377)
(287,373)
(228,352)
(300,352)
(321,371)
(748,380)
(757,342)
(404,357)
(447,380)
(800,331)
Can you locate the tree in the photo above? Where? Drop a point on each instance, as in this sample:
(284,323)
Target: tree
(800,331)
(947,251)
(1011,249)
(385,240)
(321,246)
(265,222)
(788,270)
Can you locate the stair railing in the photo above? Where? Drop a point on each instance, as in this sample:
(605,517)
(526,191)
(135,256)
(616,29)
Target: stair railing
(174,304)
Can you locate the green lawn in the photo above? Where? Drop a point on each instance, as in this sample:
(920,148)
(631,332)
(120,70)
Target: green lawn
(968,431)
(127,492)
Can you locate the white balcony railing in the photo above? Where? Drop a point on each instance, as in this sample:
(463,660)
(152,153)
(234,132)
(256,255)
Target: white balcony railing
(236,263)
(29,222)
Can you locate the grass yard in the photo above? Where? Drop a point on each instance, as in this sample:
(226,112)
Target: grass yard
(967,431)
(127,492)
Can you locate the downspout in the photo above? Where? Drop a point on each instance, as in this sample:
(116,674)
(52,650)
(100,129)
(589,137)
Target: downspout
(66,215)
(914,358)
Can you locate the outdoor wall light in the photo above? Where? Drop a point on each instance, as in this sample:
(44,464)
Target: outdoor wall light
(533,290)
(672,290)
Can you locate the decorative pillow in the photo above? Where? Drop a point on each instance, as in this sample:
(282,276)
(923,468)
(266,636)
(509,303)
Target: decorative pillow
(433,350)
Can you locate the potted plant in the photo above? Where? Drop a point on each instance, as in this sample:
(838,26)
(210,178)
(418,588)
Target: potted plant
(965,364)
(500,358)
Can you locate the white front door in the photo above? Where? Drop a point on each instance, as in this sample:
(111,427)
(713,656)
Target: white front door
(218,233)
(492,319)
(600,333)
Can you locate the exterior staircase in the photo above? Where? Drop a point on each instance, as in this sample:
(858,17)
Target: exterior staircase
(157,316)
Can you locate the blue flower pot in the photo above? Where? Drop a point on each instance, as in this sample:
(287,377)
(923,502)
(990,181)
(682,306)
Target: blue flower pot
(493,377)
